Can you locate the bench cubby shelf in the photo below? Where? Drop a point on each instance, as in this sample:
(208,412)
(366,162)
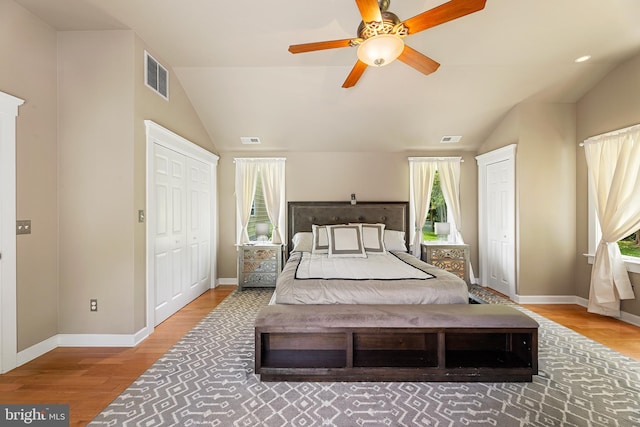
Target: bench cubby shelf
(304,352)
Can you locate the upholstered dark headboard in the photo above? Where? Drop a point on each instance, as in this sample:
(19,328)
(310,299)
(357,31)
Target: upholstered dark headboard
(302,215)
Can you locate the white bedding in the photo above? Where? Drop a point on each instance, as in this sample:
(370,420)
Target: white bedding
(378,266)
(377,279)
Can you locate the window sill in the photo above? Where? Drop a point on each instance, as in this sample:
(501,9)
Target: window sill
(632,263)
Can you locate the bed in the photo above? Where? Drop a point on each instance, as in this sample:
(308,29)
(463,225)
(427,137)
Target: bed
(381,329)
(380,271)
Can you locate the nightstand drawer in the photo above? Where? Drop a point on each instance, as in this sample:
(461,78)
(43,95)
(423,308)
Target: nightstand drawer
(259,280)
(251,266)
(259,254)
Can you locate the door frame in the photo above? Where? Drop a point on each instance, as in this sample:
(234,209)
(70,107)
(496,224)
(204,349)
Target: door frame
(8,253)
(156,134)
(508,154)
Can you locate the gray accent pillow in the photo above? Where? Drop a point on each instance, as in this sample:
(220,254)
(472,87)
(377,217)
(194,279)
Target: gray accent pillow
(320,239)
(373,238)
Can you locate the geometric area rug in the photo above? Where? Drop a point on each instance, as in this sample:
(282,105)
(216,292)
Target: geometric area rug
(208,379)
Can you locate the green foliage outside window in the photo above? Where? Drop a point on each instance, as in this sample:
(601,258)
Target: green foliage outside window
(437,210)
(630,245)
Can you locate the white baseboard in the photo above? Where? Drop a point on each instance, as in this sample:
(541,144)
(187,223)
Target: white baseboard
(630,318)
(80,340)
(582,301)
(545,299)
(37,350)
(102,340)
(228,281)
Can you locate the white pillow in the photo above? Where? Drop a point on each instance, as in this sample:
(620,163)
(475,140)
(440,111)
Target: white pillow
(394,240)
(320,243)
(302,242)
(373,238)
(346,241)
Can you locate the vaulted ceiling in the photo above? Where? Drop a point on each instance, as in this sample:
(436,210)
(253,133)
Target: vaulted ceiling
(231,58)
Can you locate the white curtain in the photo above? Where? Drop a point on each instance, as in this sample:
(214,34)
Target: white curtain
(422,174)
(613,162)
(272,174)
(246,175)
(449,172)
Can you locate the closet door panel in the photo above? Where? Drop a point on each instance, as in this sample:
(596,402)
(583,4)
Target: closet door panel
(171,278)
(199,235)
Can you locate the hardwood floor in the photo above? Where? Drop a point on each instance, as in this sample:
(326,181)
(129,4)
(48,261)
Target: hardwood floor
(88,379)
(616,334)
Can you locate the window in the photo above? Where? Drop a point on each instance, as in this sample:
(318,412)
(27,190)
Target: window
(259,215)
(434,197)
(616,154)
(260,199)
(437,211)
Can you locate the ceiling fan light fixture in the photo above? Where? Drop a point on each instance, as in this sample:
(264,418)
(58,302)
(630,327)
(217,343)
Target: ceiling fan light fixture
(380,50)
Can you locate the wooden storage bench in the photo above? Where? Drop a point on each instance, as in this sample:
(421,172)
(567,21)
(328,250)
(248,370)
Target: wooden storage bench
(457,342)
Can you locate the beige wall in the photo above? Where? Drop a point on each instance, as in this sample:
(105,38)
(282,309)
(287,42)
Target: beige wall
(545,194)
(96,169)
(319,176)
(545,199)
(28,71)
(81,173)
(103,105)
(614,103)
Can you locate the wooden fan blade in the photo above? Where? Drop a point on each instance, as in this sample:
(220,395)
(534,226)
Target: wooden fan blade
(420,62)
(310,47)
(443,13)
(355,74)
(369,10)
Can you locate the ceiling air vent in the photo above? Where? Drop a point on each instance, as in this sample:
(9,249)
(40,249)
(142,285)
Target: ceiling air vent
(449,139)
(156,76)
(250,140)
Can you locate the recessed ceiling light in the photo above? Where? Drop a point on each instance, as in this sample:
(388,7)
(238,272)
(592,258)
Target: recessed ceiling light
(583,58)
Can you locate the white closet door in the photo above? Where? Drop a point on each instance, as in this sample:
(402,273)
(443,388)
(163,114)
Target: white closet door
(181,222)
(499,228)
(199,227)
(497,219)
(171,257)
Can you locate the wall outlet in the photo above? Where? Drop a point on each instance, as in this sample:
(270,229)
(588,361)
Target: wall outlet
(93,304)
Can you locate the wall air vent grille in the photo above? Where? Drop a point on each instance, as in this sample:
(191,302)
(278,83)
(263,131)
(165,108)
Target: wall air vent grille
(449,139)
(250,140)
(156,77)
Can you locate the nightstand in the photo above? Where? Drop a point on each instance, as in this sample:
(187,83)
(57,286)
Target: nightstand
(259,265)
(451,257)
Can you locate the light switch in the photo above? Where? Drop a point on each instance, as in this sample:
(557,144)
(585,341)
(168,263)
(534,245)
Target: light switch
(140,215)
(23,226)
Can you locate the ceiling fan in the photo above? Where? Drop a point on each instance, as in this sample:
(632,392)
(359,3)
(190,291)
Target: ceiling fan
(381,33)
